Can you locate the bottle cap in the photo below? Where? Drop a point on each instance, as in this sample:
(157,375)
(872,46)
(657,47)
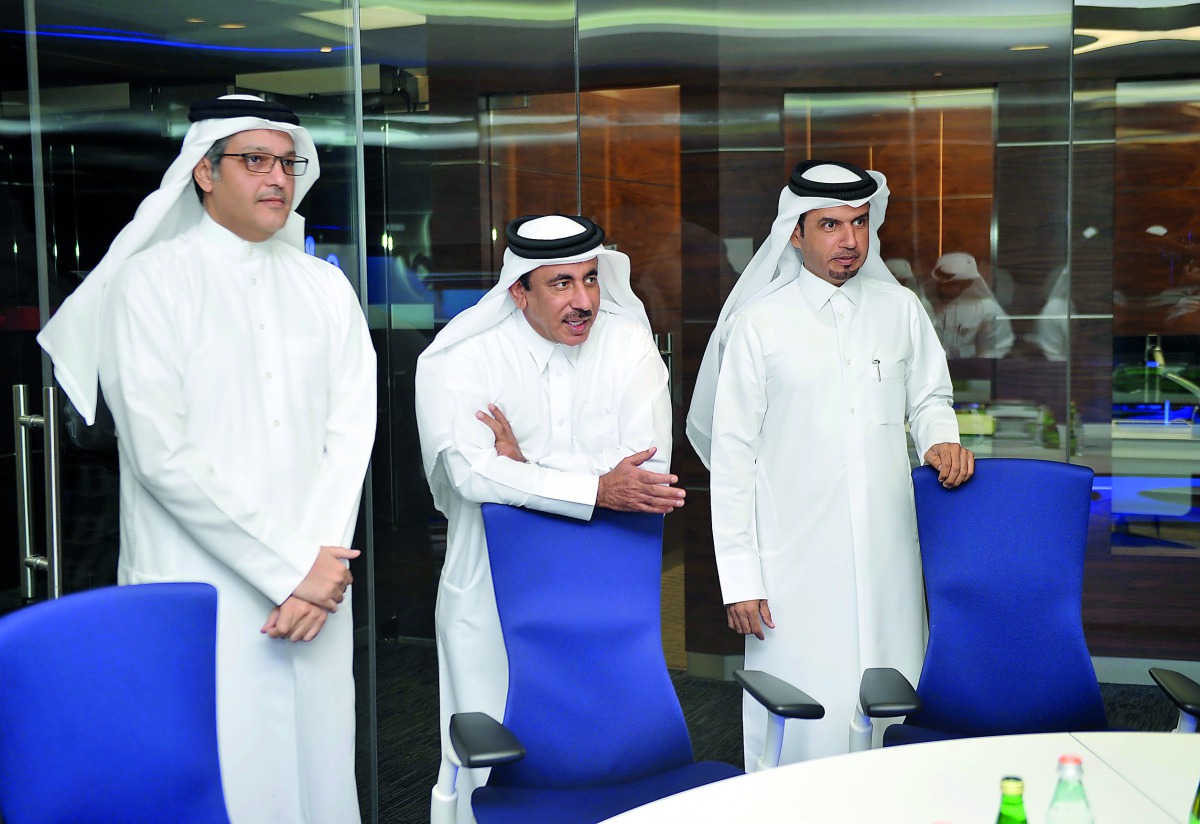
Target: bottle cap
(1070,759)
(1010,785)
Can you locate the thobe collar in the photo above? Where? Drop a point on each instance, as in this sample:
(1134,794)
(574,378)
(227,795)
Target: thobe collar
(223,241)
(540,348)
(817,291)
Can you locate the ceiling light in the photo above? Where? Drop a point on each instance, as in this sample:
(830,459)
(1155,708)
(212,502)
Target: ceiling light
(371,18)
(326,49)
(1110,38)
(1037,47)
(194,20)
(232,26)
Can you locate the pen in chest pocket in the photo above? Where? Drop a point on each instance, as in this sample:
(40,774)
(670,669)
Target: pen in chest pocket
(878,376)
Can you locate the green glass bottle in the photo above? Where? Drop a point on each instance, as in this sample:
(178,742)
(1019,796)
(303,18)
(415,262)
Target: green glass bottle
(1012,801)
(1195,816)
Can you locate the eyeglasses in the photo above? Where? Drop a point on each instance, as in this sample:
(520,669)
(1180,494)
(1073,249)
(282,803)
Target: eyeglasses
(262,163)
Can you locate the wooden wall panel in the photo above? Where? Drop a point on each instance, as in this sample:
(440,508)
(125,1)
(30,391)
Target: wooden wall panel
(1157,184)
(734,152)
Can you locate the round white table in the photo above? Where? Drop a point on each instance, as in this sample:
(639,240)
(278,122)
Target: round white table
(1129,777)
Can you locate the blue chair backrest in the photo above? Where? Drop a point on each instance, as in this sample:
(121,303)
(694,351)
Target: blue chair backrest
(589,694)
(1003,563)
(108,708)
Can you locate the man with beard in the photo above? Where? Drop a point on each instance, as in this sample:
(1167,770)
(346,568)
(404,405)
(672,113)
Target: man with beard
(550,394)
(818,359)
(241,378)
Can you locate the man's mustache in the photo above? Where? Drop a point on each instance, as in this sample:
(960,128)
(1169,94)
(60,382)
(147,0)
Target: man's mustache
(578,315)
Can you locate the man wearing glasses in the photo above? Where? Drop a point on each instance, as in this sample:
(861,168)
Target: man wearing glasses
(241,378)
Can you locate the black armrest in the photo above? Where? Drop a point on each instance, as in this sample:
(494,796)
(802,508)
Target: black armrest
(482,741)
(1183,691)
(885,693)
(778,696)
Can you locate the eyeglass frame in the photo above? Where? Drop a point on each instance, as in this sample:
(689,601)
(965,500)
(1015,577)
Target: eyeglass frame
(274,159)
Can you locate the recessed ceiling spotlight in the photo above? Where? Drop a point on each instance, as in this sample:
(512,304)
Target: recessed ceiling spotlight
(326,49)
(937,74)
(1037,47)
(232,26)
(194,20)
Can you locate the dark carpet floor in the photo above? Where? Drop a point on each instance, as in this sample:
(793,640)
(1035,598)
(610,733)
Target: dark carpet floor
(408,711)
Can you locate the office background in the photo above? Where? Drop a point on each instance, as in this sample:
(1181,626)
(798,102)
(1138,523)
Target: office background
(1054,143)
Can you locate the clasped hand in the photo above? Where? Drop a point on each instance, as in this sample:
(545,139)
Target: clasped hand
(302,615)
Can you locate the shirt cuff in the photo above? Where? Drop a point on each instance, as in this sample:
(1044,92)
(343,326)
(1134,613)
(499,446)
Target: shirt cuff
(741,578)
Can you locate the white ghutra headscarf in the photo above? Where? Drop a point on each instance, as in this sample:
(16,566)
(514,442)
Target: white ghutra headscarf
(72,336)
(814,184)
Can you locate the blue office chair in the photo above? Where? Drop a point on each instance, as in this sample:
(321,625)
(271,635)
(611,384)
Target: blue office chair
(108,708)
(592,725)
(1003,563)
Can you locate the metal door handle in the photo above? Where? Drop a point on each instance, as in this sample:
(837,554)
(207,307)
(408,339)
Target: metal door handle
(667,352)
(51,562)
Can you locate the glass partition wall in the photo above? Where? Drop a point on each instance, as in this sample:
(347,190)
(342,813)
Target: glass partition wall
(93,110)
(1048,148)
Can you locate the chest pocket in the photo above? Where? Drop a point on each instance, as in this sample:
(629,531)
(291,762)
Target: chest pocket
(885,393)
(596,430)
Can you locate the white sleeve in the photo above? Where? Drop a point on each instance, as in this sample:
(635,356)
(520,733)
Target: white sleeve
(738,413)
(139,375)
(472,467)
(331,507)
(929,396)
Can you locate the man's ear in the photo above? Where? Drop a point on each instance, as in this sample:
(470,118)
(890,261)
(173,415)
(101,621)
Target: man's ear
(518,295)
(202,174)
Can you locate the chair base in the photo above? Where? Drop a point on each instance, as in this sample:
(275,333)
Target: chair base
(511,805)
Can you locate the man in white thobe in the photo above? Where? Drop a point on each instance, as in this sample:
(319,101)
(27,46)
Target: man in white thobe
(548,394)
(241,378)
(817,370)
(966,315)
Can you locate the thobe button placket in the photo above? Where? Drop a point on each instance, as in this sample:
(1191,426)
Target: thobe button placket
(560,399)
(275,424)
(262,326)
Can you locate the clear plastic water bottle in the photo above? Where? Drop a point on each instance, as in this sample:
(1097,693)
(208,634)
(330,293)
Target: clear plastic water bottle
(1069,805)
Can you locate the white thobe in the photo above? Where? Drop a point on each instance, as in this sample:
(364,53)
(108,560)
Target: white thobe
(1051,332)
(241,377)
(812,502)
(973,326)
(576,413)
